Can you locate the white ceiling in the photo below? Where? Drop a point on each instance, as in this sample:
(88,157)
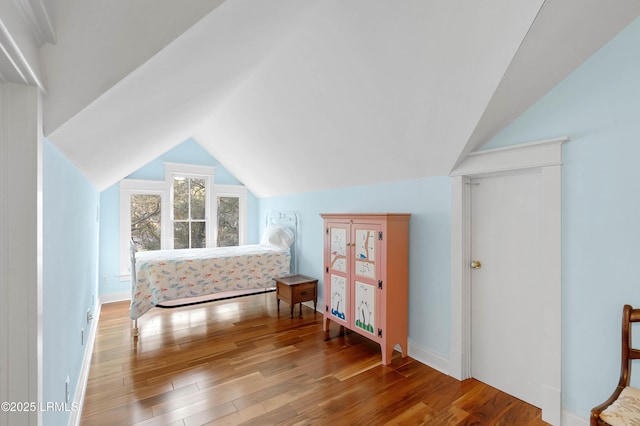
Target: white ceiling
(295,96)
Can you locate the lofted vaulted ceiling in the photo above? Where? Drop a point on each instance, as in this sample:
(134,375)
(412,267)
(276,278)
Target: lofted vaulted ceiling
(300,95)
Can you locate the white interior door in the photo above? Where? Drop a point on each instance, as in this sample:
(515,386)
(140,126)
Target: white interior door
(508,289)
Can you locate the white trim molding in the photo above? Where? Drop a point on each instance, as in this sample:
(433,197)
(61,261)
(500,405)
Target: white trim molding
(427,357)
(14,65)
(120,296)
(527,155)
(188,170)
(36,15)
(21,250)
(546,155)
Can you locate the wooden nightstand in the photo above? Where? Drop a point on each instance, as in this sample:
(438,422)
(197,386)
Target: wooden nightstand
(295,289)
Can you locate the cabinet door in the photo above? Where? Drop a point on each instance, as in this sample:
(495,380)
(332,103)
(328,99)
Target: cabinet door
(365,272)
(337,294)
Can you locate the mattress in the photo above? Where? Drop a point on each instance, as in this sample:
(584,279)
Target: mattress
(163,275)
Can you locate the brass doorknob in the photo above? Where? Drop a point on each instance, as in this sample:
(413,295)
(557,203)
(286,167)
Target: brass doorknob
(475,264)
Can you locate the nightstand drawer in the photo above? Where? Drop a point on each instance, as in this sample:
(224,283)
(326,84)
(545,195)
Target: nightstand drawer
(304,292)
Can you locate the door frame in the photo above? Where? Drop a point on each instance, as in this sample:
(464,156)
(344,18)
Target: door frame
(546,155)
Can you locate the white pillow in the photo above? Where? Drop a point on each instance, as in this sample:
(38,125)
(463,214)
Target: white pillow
(277,236)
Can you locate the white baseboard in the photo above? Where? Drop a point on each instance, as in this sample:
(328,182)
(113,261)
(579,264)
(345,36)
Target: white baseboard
(572,419)
(427,357)
(81,386)
(115,297)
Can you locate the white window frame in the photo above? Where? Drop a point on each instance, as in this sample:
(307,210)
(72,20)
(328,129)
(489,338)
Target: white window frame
(129,187)
(232,191)
(171,170)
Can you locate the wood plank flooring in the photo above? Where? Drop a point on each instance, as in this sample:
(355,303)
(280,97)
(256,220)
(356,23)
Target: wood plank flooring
(240,362)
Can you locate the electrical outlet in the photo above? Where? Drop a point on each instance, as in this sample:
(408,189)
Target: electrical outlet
(67,391)
(89,315)
(105,279)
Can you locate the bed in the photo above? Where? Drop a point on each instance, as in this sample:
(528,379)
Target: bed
(187,276)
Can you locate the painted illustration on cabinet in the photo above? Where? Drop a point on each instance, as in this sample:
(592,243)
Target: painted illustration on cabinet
(338,296)
(365,307)
(339,249)
(365,253)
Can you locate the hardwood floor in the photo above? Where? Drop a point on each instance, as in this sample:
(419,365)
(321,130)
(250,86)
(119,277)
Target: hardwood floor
(238,362)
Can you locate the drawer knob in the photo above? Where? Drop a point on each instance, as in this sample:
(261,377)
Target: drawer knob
(303,293)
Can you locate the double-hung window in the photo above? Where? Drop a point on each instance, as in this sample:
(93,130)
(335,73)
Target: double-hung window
(186,210)
(190,188)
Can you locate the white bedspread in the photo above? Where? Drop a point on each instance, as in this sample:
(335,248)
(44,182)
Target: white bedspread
(163,275)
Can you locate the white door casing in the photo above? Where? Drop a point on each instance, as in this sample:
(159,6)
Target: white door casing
(547,156)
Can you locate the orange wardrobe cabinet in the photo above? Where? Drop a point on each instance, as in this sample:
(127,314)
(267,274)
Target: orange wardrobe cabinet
(366,278)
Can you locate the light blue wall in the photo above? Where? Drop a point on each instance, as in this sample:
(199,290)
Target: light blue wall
(70,274)
(598,106)
(188,152)
(429,202)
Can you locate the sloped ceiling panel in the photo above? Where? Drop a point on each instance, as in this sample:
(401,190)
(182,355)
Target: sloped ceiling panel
(158,105)
(364,92)
(101,42)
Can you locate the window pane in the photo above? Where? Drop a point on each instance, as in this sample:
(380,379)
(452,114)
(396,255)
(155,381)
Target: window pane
(228,221)
(180,198)
(198,235)
(180,235)
(197,199)
(146,221)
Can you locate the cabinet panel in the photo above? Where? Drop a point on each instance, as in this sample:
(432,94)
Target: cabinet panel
(364,304)
(364,241)
(338,250)
(338,295)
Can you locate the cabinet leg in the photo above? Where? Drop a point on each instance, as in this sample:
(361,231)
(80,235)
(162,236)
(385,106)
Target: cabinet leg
(387,354)
(325,327)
